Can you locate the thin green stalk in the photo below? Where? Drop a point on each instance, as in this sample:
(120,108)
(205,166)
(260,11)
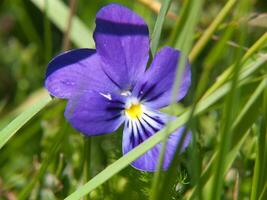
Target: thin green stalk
(10,130)
(66,38)
(259,172)
(226,74)
(228,116)
(263,195)
(87,161)
(210,30)
(158,26)
(58,13)
(239,127)
(185,43)
(24,194)
(180,23)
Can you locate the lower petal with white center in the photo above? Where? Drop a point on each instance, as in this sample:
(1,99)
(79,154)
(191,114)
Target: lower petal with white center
(138,130)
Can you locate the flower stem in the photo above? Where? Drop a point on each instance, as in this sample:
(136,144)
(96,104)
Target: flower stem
(87,158)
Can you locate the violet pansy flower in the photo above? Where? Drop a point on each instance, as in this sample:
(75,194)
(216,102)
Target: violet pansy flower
(110,85)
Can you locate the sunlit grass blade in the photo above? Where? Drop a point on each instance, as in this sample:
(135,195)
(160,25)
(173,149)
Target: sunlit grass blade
(210,30)
(7,132)
(259,172)
(263,195)
(246,117)
(158,26)
(58,13)
(184,43)
(229,113)
(225,75)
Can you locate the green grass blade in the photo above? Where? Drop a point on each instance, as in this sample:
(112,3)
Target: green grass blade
(229,113)
(240,128)
(7,132)
(58,13)
(158,26)
(184,43)
(263,195)
(259,174)
(210,30)
(225,75)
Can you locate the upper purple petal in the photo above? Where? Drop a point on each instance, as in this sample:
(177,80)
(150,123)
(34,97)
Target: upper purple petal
(136,132)
(77,71)
(94,113)
(122,41)
(155,88)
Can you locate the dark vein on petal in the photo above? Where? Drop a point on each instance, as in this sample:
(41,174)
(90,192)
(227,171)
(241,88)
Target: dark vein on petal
(143,129)
(155,119)
(152,127)
(155,97)
(148,91)
(113,118)
(112,80)
(114,108)
(141,89)
(118,101)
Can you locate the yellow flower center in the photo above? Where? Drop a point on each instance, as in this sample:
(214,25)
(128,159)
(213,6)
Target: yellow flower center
(134,111)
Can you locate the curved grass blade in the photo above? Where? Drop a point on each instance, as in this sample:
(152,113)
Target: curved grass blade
(187,38)
(259,173)
(158,26)
(243,122)
(210,30)
(7,132)
(225,75)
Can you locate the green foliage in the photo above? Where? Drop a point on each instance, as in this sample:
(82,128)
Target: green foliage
(42,157)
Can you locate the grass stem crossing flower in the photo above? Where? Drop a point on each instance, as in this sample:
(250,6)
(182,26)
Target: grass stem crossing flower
(110,85)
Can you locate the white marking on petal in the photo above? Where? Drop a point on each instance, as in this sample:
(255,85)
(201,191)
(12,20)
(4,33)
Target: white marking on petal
(126,93)
(107,96)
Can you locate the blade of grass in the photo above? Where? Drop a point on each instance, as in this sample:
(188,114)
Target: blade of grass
(263,195)
(259,172)
(169,179)
(87,161)
(66,38)
(225,75)
(58,13)
(124,161)
(7,132)
(229,112)
(158,26)
(243,122)
(184,43)
(210,30)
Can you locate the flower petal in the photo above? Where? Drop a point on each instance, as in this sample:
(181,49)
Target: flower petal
(155,88)
(76,71)
(136,132)
(122,41)
(95,113)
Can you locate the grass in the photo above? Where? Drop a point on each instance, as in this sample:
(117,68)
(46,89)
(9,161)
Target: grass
(225,109)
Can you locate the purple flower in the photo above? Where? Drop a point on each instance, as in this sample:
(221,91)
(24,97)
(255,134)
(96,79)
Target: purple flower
(110,85)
